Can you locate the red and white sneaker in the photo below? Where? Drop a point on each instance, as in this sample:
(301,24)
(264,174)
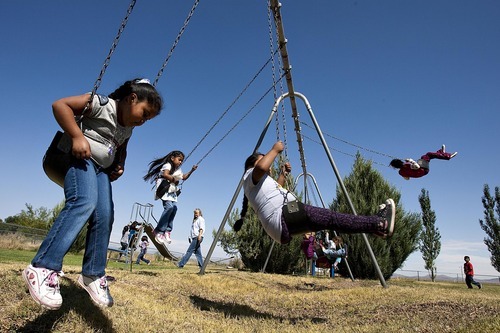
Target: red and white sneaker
(43,285)
(160,238)
(168,240)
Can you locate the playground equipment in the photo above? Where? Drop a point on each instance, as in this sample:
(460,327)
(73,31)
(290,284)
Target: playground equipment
(140,217)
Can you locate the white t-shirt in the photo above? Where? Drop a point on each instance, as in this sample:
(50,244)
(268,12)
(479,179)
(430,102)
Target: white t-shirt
(125,237)
(198,223)
(267,198)
(171,194)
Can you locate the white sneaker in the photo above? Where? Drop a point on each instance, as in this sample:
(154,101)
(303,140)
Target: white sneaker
(168,240)
(43,285)
(97,288)
(160,238)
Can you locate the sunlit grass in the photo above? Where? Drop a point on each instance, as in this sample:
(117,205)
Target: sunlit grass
(163,298)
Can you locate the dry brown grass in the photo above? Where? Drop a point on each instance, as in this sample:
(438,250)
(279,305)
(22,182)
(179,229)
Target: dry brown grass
(162,298)
(17,241)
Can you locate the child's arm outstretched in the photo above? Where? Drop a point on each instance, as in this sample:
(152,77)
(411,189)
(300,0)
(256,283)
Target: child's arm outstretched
(264,164)
(187,174)
(64,111)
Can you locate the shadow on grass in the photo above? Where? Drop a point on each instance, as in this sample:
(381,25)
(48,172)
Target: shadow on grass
(77,300)
(238,310)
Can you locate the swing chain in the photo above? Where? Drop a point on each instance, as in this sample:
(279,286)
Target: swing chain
(176,41)
(112,49)
(271,43)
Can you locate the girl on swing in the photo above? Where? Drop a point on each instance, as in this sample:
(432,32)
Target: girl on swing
(97,146)
(411,169)
(168,169)
(269,200)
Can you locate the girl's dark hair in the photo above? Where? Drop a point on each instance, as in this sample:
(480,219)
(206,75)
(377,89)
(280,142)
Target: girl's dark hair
(144,238)
(143,90)
(155,165)
(249,163)
(125,229)
(396,163)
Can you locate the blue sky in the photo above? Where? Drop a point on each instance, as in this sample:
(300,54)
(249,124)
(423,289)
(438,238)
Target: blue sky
(397,77)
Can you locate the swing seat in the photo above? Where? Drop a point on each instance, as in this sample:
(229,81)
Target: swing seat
(295,217)
(56,162)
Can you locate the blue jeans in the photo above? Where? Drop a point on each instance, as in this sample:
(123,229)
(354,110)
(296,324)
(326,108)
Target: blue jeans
(469,280)
(166,222)
(332,266)
(141,257)
(88,194)
(313,263)
(194,246)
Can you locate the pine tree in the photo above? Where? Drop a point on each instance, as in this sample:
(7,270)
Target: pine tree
(491,224)
(430,238)
(367,189)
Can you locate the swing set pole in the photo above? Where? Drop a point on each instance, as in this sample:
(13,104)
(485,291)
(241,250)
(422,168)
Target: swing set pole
(275,7)
(235,196)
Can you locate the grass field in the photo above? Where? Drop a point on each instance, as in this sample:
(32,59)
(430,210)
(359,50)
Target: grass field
(163,298)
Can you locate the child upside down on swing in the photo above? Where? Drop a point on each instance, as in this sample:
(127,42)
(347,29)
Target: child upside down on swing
(411,169)
(269,199)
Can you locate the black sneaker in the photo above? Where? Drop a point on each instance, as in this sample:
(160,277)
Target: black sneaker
(388,213)
(480,286)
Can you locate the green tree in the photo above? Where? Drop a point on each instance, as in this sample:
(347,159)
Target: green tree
(491,224)
(39,218)
(367,189)
(430,238)
(43,219)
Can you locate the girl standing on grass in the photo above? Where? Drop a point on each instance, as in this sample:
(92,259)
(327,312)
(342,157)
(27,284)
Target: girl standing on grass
(124,240)
(167,170)
(98,145)
(308,246)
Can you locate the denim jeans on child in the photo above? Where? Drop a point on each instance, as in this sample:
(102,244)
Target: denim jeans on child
(88,194)
(166,222)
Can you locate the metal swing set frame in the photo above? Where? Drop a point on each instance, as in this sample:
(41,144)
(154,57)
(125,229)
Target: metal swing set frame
(292,95)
